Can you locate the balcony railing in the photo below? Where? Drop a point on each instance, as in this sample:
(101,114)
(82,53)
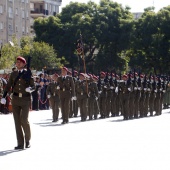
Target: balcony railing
(39,11)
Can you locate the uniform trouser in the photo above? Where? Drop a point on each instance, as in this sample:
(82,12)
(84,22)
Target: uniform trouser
(20,108)
(113,104)
(65,108)
(55,108)
(161,102)
(108,106)
(146,104)
(91,103)
(131,105)
(151,103)
(73,108)
(83,102)
(102,105)
(142,104)
(125,105)
(136,104)
(157,103)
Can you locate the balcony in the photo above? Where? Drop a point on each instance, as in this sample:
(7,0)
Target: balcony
(54,2)
(39,13)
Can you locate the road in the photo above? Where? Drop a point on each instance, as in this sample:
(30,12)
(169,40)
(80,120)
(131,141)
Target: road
(102,144)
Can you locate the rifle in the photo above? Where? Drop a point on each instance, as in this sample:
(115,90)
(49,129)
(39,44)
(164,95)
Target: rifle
(111,80)
(106,78)
(99,83)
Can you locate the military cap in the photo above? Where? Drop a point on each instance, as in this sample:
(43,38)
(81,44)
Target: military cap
(82,74)
(75,72)
(125,76)
(69,72)
(65,68)
(21,59)
(141,76)
(103,73)
(95,77)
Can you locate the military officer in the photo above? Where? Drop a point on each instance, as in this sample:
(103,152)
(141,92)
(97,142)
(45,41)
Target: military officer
(93,97)
(124,90)
(75,103)
(153,90)
(104,86)
(67,93)
(22,85)
(52,93)
(81,88)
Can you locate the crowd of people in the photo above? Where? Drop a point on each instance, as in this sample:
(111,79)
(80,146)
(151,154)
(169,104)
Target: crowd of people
(102,96)
(131,95)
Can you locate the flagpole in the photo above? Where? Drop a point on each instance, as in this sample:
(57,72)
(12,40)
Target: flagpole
(84,63)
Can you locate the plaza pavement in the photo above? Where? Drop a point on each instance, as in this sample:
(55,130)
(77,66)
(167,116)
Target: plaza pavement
(102,144)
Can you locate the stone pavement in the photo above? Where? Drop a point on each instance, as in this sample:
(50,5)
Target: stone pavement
(107,144)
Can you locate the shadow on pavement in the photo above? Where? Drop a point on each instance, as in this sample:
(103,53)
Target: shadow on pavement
(3,153)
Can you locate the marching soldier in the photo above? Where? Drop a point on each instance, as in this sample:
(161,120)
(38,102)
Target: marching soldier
(125,89)
(157,105)
(22,84)
(152,95)
(109,95)
(93,98)
(75,103)
(104,86)
(142,98)
(133,94)
(67,93)
(81,88)
(52,93)
(114,96)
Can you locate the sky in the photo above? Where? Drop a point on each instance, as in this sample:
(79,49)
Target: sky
(136,5)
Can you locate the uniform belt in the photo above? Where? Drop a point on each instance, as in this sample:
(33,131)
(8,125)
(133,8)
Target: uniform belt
(23,95)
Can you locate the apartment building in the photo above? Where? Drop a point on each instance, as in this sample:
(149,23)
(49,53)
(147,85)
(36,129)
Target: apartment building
(17,16)
(14,19)
(43,8)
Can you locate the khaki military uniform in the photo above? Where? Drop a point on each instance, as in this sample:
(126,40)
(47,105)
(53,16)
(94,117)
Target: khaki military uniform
(93,96)
(54,99)
(74,104)
(104,86)
(67,90)
(82,98)
(157,105)
(21,102)
(152,97)
(124,95)
(132,98)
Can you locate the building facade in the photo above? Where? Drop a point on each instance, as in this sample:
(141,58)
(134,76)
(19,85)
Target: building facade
(14,19)
(17,16)
(43,8)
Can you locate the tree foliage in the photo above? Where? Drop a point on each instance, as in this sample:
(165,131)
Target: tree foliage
(112,39)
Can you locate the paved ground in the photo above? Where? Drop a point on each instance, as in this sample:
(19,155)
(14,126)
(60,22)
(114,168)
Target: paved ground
(107,144)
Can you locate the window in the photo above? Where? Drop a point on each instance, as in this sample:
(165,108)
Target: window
(1,25)
(1,9)
(27,14)
(54,9)
(10,12)
(27,30)
(16,11)
(23,29)
(46,6)
(50,8)
(23,14)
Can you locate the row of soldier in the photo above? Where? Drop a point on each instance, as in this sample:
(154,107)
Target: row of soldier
(131,95)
